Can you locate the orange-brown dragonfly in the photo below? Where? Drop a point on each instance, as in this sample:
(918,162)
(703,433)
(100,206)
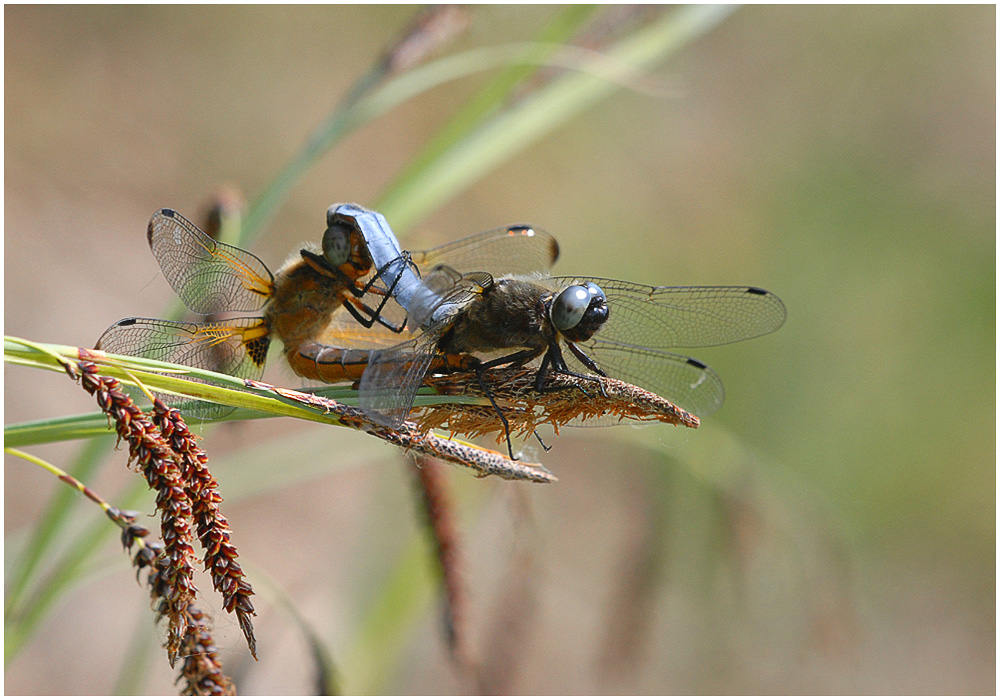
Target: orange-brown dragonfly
(303,303)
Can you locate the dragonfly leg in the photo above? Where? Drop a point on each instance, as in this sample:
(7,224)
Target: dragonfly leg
(585,359)
(515,358)
(356,307)
(403,259)
(554,359)
(540,441)
(503,418)
(482,367)
(376,314)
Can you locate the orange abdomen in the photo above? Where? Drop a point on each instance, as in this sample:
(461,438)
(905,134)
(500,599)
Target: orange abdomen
(327,363)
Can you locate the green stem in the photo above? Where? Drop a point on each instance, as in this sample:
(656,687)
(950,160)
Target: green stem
(19,628)
(51,522)
(529,120)
(488,99)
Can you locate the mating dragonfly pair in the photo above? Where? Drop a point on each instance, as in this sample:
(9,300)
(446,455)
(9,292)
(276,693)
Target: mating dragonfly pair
(479,303)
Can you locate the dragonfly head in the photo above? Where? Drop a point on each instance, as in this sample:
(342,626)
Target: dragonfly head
(343,244)
(337,244)
(579,311)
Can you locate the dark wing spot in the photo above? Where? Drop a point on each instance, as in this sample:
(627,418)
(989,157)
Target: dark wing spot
(168,212)
(257,350)
(695,363)
(757,290)
(127,322)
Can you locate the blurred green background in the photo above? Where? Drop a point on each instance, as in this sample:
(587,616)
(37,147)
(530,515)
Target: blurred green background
(830,530)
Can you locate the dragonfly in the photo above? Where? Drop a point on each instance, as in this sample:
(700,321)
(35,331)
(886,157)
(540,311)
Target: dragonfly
(611,328)
(300,302)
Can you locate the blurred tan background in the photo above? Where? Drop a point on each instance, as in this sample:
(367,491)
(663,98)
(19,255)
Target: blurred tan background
(830,530)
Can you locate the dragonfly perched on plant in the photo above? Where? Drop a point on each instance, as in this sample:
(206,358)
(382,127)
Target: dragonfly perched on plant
(300,302)
(474,319)
(610,328)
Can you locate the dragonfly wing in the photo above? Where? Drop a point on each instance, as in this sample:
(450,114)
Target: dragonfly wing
(684,381)
(343,342)
(390,382)
(644,321)
(446,293)
(237,347)
(208,276)
(684,317)
(510,250)
(393,375)
(442,278)
(345,332)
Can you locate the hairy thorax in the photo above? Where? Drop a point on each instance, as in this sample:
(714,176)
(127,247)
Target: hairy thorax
(302,305)
(507,315)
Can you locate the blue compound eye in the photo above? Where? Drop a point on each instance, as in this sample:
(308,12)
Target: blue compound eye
(596,292)
(337,244)
(569,306)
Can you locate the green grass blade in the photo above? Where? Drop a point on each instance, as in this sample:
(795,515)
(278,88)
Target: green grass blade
(249,402)
(387,97)
(19,627)
(225,390)
(524,123)
(491,97)
(47,430)
(88,425)
(51,523)
(401,601)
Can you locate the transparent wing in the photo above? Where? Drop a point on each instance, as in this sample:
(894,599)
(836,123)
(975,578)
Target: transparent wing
(681,380)
(392,378)
(441,279)
(684,317)
(510,250)
(208,276)
(236,347)
(644,321)
(452,289)
(345,332)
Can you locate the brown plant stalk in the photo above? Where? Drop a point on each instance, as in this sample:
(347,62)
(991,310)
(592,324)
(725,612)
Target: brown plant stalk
(564,400)
(420,441)
(156,461)
(200,667)
(433,28)
(439,512)
(201,670)
(211,526)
